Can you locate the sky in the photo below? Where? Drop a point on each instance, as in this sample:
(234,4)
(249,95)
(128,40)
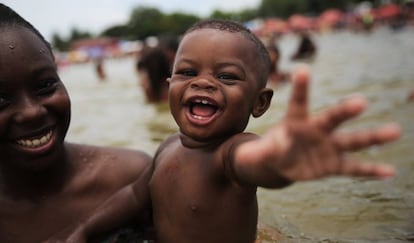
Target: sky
(94,16)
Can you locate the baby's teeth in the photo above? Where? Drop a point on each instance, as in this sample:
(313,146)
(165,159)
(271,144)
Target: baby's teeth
(205,102)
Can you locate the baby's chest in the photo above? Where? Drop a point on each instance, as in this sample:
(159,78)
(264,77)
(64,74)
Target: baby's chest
(187,167)
(186,178)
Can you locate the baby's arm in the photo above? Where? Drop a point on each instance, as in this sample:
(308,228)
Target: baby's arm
(304,147)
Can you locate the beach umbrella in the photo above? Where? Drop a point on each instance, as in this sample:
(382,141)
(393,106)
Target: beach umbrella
(275,25)
(331,16)
(388,11)
(300,22)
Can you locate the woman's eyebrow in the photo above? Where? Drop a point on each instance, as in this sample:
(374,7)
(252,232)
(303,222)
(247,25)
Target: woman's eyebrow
(39,70)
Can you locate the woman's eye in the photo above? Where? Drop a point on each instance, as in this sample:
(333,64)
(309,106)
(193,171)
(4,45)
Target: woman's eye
(4,101)
(46,87)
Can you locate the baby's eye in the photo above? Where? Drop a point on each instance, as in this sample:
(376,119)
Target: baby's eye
(227,76)
(47,86)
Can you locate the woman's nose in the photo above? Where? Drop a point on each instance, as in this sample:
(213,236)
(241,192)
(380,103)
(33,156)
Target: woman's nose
(29,109)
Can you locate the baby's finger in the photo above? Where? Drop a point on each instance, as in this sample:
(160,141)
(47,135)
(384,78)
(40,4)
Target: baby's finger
(298,103)
(357,169)
(358,140)
(334,116)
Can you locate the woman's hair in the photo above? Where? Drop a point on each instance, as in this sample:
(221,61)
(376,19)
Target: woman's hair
(10,19)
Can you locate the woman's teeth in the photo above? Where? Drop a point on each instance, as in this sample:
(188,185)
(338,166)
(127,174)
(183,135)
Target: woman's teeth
(33,143)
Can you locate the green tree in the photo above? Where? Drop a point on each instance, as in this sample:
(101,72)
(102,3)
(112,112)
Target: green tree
(119,31)
(148,21)
(281,8)
(144,22)
(62,44)
(218,14)
(177,23)
(59,43)
(285,8)
(76,34)
(247,14)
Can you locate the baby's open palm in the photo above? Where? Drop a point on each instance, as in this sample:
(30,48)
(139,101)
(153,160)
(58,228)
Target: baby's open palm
(305,147)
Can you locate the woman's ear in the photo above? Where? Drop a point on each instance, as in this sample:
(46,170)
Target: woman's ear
(262,102)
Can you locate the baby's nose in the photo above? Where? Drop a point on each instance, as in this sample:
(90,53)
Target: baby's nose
(204,83)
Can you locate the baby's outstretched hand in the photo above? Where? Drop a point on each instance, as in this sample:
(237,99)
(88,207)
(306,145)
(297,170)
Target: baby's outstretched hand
(305,147)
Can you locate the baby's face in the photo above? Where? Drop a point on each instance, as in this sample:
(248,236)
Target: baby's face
(213,86)
(34,105)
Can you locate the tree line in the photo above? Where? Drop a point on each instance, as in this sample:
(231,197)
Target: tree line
(145,21)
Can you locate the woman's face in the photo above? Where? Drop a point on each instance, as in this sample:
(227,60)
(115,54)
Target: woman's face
(34,104)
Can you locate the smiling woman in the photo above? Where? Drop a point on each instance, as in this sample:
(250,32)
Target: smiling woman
(45,181)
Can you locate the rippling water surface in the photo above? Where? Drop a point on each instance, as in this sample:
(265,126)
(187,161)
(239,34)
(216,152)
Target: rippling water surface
(379,65)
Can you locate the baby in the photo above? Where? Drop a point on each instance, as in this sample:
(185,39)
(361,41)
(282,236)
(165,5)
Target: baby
(203,187)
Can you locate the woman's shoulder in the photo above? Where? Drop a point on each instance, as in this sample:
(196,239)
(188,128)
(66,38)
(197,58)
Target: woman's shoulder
(108,152)
(110,163)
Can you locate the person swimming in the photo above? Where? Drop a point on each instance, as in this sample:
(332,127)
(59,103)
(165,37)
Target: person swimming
(306,49)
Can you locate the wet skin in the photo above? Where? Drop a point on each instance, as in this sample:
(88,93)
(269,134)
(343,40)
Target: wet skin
(204,183)
(34,104)
(203,187)
(47,186)
(214,87)
(212,95)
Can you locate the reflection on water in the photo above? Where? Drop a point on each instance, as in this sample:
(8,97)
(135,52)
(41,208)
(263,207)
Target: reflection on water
(378,65)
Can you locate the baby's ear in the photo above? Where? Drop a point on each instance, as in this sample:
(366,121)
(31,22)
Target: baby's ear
(262,102)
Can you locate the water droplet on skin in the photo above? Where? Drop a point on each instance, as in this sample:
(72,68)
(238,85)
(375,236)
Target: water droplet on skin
(194,208)
(11,47)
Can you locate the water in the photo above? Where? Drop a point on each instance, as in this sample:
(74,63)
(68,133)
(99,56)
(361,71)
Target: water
(379,65)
